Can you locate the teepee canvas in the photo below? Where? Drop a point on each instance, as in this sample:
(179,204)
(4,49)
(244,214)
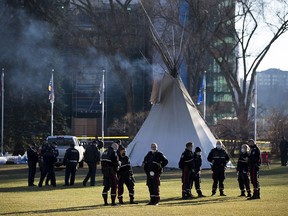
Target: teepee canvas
(171,123)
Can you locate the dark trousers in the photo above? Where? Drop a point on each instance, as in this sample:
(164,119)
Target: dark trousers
(218,176)
(129,184)
(32,172)
(284,158)
(70,173)
(110,181)
(153,183)
(91,173)
(47,169)
(254,174)
(196,179)
(186,181)
(244,181)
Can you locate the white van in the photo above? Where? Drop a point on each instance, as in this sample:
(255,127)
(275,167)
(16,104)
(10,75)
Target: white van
(63,143)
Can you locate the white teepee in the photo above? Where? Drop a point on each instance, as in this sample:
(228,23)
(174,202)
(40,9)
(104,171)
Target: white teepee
(171,123)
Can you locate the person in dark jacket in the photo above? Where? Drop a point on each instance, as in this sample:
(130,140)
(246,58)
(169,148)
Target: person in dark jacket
(49,158)
(242,171)
(186,165)
(219,159)
(110,166)
(283,151)
(71,158)
(125,176)
(254,165)
(53,145)
(32,156)
(92,158)
(153,163)
(197,163)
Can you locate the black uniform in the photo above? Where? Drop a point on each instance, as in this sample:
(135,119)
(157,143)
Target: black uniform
(283,151)
(91,157)
(219,159)
(254,165)
(243,176)
(71,158)
(125,176)
(49,158)
(32,162)
(197,163)
(154,162)
(186,165)
(110,165)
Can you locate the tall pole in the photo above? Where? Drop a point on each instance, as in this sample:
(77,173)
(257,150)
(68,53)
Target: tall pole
(255,111)
(52,98)
(204,96)
(2,112)
(103,103)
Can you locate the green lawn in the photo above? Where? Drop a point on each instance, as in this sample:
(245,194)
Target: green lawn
(18,199)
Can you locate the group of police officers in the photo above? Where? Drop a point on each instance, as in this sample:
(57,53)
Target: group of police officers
(117,170)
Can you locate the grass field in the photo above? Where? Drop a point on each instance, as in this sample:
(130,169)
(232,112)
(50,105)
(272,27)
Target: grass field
(18,199)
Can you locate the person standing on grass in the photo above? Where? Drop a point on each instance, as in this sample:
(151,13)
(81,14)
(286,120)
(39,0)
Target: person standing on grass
(32,156)
(254,162)
(242,171)
(71,158)
(125,176)
(219,159)
(283,151)
(186,165)
(92,158)
(153,164)
(197,163)
(110,166)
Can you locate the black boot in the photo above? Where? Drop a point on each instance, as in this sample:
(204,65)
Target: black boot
(113,198)
(222,193)
(132,200)
(120,200)
(256,195)
(213,192)
(152,201)
(249,193)
(242,193)
(200,193)
(105,199)
(157,199)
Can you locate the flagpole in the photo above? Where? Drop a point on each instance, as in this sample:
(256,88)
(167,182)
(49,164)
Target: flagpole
(204,96)
(255,111)
(2,112)
(103,104)
(52,104)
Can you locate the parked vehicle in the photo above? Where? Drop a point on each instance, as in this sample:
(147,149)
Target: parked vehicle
(63,143)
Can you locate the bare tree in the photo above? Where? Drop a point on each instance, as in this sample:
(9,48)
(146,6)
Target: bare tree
(246,26)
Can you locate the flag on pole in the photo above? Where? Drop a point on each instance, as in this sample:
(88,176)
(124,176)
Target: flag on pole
(201,92)
(51,90)
(101,91)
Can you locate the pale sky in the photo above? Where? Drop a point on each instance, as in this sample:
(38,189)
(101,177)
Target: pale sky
(277,57)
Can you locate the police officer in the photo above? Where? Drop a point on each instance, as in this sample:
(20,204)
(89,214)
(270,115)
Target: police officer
(153,163)
(71,158)
(92,158)
(197,163)
(283,151)
(219,159)
(110,166)
(186,165)
(242,171)
(32,162)
(254,162)
(49,158)
(53,145)
(125,176)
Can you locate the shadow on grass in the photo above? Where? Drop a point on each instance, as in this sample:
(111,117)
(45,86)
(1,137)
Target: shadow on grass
(163,202)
